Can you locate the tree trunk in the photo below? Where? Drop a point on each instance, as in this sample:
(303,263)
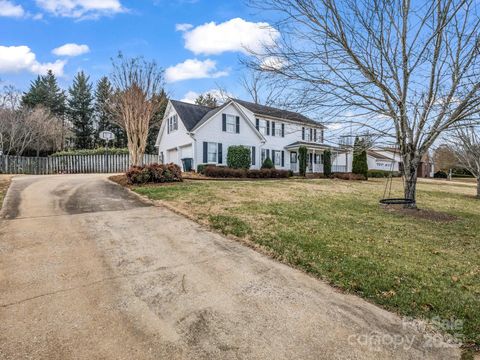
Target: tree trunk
(410,186)
(478,187)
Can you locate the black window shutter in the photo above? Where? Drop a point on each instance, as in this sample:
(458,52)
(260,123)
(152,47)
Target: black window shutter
(273,128)
(238,124)
(283,130)
(257,124)
(253,155)
(283,158)
(224,122)
(273,156)
(311,134)
(268,127)
(322,137)
(315,159)
(205,152)
(220,155)
(268,154)
(303,133)
(315,135)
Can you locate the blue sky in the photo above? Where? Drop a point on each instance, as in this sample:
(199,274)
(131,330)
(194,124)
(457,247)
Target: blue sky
(199,42)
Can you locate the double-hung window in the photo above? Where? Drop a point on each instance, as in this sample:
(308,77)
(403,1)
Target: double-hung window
(231,123)
(212,152)
(262,127)
(172,123)
(278,158)
(278,130)
(307,135)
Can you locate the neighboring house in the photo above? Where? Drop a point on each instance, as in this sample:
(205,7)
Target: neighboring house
(204,135)
(389,159)
(381,159)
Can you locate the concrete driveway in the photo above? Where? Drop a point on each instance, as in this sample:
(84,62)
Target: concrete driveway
(87,271)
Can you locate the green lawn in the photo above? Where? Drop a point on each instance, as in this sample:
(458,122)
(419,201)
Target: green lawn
(337,231)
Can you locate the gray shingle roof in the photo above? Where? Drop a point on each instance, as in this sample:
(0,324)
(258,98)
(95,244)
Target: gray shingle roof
(190,114)
(277,113)
(193,115)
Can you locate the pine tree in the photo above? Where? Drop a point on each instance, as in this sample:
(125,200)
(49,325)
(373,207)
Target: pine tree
(80,111)
(207,100)
(44,91)
(104,115)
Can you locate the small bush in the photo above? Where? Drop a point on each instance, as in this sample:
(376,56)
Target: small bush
(349,176)
(440,175)
(239,157)
(201,168)
(268,164)
(154,173)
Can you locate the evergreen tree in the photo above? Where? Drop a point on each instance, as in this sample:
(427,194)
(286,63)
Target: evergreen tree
(80,111)
(156,123)
(44,91)
(360,163)
(327,163)
(207,100)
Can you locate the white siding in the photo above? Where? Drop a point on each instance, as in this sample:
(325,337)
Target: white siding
(211,131)
(174,145)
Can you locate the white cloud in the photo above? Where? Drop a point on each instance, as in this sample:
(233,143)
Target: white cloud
(221,96)
(183,27)
(81,8)
(10,9)
(71,50)
(272,63)
(193,69)
(233,35)
(21,58)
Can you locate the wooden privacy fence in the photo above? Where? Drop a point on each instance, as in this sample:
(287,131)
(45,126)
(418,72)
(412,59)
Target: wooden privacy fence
(70,164)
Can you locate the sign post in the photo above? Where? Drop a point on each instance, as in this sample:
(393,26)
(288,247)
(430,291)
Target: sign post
(107,136)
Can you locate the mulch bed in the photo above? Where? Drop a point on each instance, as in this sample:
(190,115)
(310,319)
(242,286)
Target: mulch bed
(424,214)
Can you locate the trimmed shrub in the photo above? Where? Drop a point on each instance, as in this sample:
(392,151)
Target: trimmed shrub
(302,160)
(201,168)
(239,157)
(225,172)
(382,174)
(268,164)
(327,163)
(98,151)
(154,173)
(349,176)
(440,175)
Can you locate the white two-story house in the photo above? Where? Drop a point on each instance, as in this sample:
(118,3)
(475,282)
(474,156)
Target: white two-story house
(204,135)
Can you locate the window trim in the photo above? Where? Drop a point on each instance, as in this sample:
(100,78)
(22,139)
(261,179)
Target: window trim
(209,152)
(233,124)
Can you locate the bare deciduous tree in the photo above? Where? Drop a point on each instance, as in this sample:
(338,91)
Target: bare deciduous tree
(466,144)
(138,85)
(263,88)
(29,129)
(408,68)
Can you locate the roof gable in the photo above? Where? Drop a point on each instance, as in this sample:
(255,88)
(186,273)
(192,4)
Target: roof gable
(190,114)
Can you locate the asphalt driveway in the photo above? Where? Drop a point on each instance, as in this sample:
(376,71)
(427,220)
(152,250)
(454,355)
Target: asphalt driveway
(88,271)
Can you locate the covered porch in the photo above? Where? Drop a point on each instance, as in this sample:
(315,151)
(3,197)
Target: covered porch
(315,160)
